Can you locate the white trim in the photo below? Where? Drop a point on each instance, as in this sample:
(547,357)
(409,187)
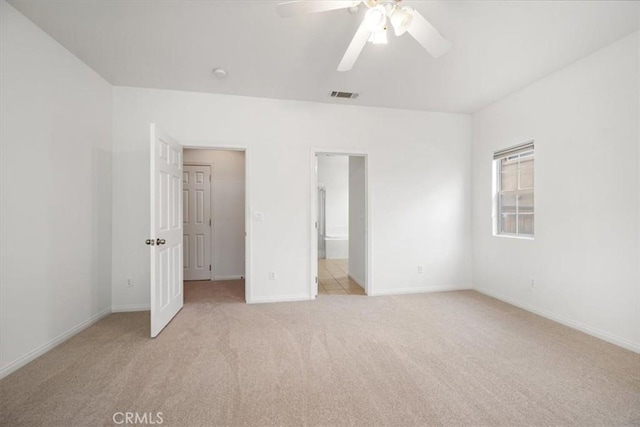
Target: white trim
(228,277)
(126,308)
(313,220)
(282,298)
(39,351)
(214,219)
(595,332)
(420,290)
(248,224)
(314,279)
(367,283)
(516,236)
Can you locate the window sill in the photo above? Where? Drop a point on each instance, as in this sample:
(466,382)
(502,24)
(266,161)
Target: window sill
(512,236)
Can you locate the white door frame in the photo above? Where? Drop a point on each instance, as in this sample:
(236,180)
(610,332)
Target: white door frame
(313,217)
(247,207)
(211,205)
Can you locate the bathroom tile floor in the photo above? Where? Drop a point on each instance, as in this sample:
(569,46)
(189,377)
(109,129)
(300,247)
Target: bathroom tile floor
(333,278)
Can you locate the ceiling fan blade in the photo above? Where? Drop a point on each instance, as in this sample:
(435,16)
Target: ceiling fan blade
(303,7)
(428,36)
(355,47)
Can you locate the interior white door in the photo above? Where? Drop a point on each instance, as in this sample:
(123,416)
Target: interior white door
(196,214)
(166,229)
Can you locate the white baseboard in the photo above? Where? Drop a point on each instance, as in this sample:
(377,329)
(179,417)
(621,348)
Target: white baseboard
(613,339)
(279,298)
(34,354)
(422,290)
(130,307)
(230,277)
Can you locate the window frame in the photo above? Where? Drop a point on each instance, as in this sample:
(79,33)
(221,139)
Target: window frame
(516,151)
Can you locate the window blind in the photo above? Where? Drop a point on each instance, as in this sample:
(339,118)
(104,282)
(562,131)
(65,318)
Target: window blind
(516,149)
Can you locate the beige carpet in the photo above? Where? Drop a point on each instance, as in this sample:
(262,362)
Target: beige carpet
(454,358)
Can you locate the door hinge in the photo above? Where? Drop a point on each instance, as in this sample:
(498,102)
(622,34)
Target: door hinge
(316,279)
(209,223)
(316,225)
(209,267)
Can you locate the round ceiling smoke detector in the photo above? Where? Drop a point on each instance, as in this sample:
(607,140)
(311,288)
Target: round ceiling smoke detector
(220,73)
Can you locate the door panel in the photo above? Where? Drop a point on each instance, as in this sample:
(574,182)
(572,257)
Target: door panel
(166,229)
(197,222)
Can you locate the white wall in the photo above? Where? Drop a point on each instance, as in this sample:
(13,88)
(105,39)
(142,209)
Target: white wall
(333,175)
(357,219)
(419,186)
(228,209)
(56,192)
(584,259)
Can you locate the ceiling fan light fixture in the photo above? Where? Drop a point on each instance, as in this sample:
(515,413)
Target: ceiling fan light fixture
(401,19)
(376,18)
(379,37)
(373,28)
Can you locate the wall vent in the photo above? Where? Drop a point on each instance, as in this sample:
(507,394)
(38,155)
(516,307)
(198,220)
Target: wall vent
(348,95)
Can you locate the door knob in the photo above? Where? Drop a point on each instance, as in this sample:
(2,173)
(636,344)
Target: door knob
(150,242)
(160,242)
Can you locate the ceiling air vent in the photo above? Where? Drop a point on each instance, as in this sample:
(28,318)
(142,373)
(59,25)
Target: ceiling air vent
(348,95)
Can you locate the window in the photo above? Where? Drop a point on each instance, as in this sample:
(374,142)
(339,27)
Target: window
(514,170)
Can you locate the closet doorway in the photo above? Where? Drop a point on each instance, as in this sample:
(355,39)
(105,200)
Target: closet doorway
(213,222)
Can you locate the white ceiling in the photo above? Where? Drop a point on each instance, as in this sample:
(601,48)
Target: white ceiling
(498,47)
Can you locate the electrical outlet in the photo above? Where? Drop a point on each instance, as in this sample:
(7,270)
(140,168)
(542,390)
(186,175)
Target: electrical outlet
(272,275)
(129,282)
(420,269)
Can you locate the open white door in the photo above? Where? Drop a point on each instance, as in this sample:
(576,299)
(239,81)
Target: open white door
(166,229)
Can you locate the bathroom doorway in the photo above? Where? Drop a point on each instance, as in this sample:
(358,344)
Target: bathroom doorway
(340,224)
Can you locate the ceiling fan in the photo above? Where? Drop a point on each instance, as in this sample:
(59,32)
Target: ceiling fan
(374,25)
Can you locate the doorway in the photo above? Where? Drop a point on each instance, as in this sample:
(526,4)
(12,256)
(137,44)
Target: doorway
(340,243)
(168,157)
(214,221)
